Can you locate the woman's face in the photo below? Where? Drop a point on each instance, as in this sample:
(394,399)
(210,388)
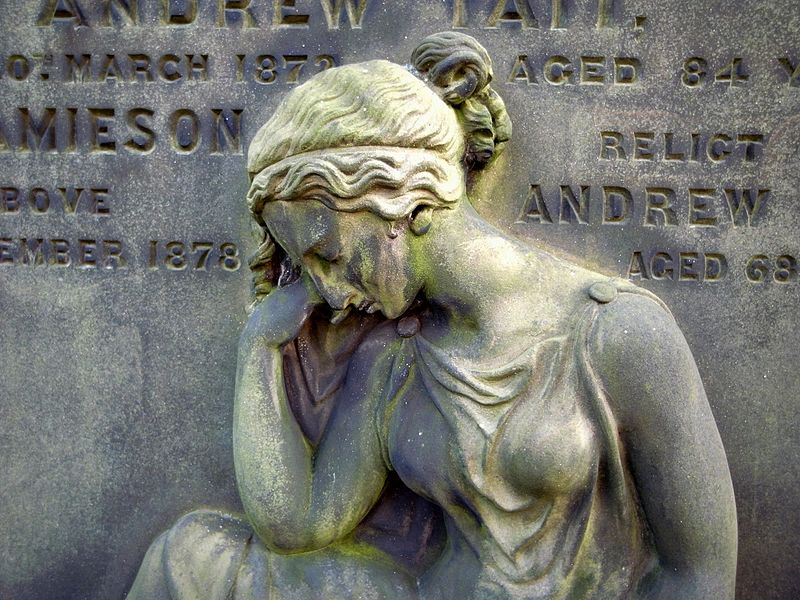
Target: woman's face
(350,256)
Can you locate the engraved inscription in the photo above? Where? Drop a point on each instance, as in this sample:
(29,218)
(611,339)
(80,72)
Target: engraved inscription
(104,130)
(586,70)
(68,200)
(651,206)
(286,68)
(184,13)
(689,266)
(57,252)
(193,256)
(682,147)
(791,71)
(552,14)
(761,268)
(697,72)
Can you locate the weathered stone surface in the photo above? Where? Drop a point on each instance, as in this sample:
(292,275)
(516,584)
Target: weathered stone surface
(654,141)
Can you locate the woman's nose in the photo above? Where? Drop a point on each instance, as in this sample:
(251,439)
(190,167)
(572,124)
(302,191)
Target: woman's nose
(335,294)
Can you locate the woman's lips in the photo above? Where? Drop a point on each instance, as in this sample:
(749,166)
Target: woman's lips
(365,304)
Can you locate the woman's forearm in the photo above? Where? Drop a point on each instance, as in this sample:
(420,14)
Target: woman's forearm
(300,498)
(273,459)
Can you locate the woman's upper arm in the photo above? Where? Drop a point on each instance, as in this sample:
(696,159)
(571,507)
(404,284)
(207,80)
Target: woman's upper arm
(671,442)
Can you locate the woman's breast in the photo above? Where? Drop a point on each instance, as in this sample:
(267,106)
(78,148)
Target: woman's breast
(546,446)
(543,447)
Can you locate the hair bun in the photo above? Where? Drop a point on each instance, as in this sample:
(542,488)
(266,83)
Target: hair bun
(459,68)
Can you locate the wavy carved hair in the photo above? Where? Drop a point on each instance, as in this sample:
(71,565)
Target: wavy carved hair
(359,127)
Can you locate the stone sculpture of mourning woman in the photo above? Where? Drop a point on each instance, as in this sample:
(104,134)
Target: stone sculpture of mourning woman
(427,407)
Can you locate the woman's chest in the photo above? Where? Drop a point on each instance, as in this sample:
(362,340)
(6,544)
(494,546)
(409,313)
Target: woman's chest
(538,445)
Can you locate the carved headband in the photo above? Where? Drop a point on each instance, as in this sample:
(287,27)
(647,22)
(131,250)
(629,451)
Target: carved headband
(348,179)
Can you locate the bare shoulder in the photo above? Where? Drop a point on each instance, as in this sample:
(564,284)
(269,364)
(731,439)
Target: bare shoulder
(644,363)
(562,289)
(631,319)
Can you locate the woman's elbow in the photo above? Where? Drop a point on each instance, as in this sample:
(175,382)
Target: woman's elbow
(289,535)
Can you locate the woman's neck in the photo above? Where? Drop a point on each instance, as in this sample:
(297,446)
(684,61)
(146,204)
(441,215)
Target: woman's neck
(474,278)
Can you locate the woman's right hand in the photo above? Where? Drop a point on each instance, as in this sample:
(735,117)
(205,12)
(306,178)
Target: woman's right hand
(278,317)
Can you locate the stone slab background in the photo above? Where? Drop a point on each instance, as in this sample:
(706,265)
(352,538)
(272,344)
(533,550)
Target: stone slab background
(116,385)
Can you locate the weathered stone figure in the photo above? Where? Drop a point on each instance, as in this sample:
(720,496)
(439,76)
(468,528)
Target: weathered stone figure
(550,422)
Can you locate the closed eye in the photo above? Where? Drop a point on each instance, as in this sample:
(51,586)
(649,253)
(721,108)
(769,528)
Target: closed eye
(330,256)
(321,262)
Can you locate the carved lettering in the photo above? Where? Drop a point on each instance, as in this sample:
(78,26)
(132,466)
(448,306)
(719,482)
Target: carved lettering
(9,200)
(268,69)
(226,132)
(592,70)
(558,70)
(651,206)
(290,18)
(39,134)
(521,71)
(605,12)
(792,71)
(759,268)
(695,73)
(720,147)
(140,124)
(18,67)
(626,70)
(333,12)
(184,130)
(110,69)
(39,199)
(558,14)
(141,67)
(617,205)
(244,14)
(192,256)
(59,253)
(574,210)
(535,210)
(701,211)
(611,141)
(518,13)
(85,254)
(100,130)
(658,207)
(178,12)
(77,67)
(31,252)
(745,205)
(62,11)
(682,266)
(169,67)
(66,200)
(587,70)
(237,11)
(562,13)
(70,198)
(7,251)
(125,12)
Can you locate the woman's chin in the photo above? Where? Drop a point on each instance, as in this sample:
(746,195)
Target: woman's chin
(390,312)
(394,311)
